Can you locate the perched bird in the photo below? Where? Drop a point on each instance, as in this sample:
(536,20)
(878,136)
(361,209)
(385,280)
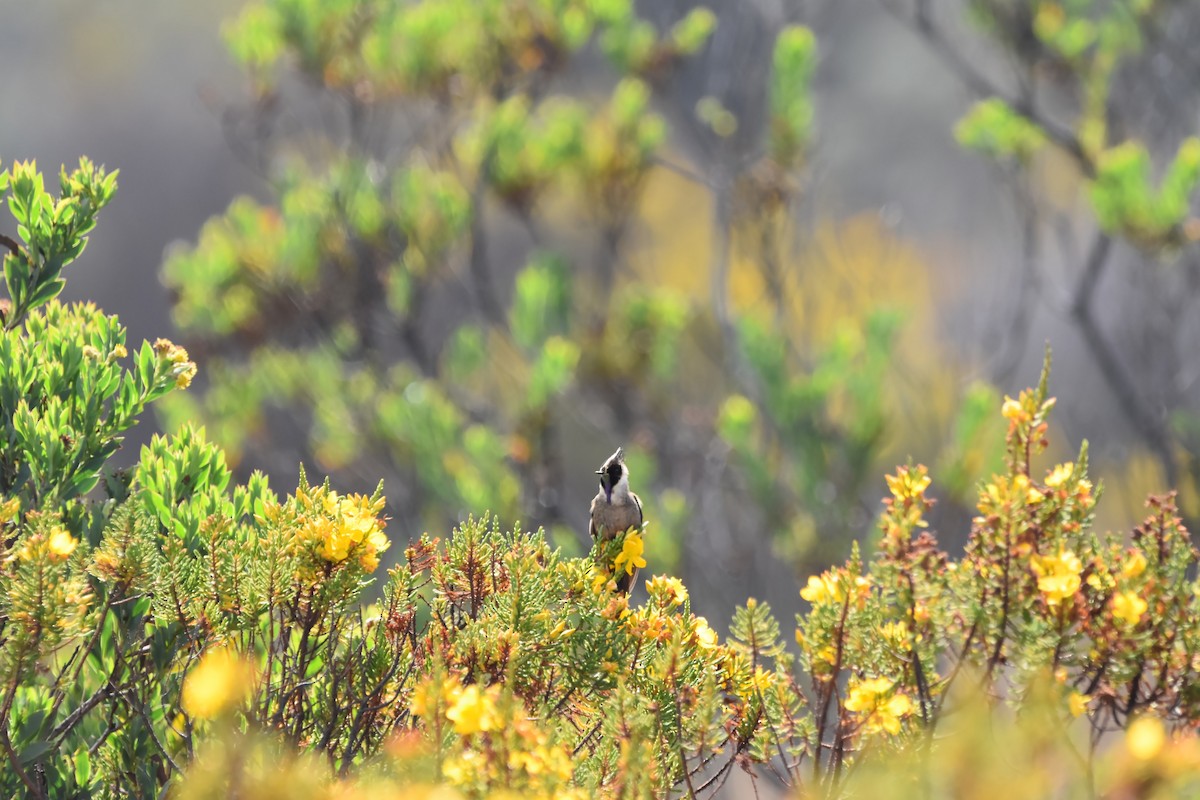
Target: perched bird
(615,509)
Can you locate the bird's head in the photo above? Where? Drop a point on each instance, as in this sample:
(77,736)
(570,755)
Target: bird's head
(613,474)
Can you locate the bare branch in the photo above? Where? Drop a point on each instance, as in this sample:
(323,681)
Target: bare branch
(1147,424)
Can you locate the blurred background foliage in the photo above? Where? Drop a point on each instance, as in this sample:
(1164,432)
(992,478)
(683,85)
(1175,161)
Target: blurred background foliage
(504,238)
(772,248)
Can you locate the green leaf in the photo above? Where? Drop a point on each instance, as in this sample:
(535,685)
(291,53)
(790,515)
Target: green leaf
(16,278)
(83,767)
(81,484)
(993,128)
(47,292)
(34,751)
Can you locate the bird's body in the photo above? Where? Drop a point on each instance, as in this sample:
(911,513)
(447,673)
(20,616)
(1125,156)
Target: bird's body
(615,509)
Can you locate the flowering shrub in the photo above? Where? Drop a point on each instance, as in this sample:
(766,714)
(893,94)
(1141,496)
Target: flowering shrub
(164,631)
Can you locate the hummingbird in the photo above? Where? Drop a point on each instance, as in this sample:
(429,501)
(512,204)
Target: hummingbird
(615,509)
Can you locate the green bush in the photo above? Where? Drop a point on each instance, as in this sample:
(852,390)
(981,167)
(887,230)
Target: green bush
(161,629)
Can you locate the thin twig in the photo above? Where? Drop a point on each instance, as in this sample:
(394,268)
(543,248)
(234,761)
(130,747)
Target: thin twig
(1119,381)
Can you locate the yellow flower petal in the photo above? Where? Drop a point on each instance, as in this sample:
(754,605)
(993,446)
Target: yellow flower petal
(1078,703)
(61,544)
(218,683)
(1145,738)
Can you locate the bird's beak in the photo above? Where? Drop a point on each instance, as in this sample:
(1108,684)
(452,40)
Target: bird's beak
(599,472)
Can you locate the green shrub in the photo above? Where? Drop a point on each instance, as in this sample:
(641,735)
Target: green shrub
(161,629)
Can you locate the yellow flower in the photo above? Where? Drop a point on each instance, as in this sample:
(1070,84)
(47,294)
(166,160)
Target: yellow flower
(630,557)
(182,370)
(909,483)
(1128,607)
(1078,703)
(9,509)
(876,706)
(375,544)
(896,633)
(335,544)
(421,700)
(762,680)
(830,587)
(473,711)
(1059,475)
(1012,410)
(348,525)
(1135,565)
(219,682)
(1058,576)
(671,590)
(603,585)
(61,544)
(706,637)
(466,768)
(184,373)
(821,589)
(1145,738)
(865,694)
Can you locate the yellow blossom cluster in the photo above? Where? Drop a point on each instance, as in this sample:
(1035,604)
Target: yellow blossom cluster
(1063,481)
(182,370)
(60,543)
(1022,410)
(54,544)
(527,754)
(473,710)
(339,528)
(1134,566)
(1003,492)
(649,623)
(897,634)
(877,706)
(1128,607)
(907,506)
(830,588)
(1058,575)
(218,683)
(1059,475)
(667,591)
(909,483)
